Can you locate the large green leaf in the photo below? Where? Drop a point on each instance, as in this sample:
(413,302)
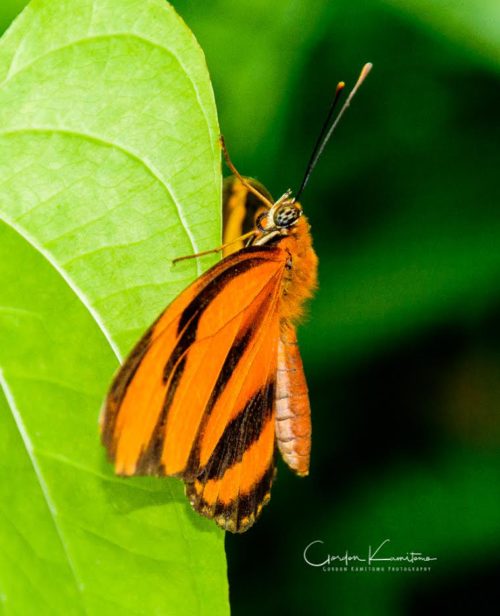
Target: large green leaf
(109,167)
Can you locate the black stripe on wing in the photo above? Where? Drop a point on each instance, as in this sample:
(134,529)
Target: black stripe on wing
(150,459)
(245,339)
(240,433)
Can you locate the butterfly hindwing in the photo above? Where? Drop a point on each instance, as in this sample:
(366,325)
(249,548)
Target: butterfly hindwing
(241,210)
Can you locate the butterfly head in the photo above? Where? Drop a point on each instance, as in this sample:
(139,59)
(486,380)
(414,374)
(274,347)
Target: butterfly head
(285,212)
(287,215)
(275,222)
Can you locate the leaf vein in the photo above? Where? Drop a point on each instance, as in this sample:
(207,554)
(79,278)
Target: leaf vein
(128,152)
(71,284)
(111,35)
(18,419)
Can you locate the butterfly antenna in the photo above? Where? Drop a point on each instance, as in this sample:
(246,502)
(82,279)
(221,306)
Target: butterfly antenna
(326,132)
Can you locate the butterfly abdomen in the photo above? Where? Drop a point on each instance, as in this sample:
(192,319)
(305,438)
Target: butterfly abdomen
(293,414)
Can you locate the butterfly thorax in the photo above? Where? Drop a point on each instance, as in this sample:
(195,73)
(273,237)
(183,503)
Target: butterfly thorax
(285,226)
(300,278)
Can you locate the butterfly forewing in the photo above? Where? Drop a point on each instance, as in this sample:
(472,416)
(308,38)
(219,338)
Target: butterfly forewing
(197,393)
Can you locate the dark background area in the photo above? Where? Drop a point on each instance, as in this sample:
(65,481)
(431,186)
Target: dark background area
(402,344)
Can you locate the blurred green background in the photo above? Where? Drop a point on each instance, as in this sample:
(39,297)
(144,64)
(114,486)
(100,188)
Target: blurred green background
(402,344)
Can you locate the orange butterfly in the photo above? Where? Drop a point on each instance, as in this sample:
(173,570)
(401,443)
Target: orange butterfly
(217,381)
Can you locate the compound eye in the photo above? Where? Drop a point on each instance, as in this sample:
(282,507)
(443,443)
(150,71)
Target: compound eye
(287,215)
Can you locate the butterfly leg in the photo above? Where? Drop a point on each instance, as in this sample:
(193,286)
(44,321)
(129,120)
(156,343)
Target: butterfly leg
(252,189)
(214,250)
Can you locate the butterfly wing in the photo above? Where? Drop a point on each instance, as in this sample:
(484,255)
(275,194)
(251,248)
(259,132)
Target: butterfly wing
(196,396)
(233,482)
(241,210)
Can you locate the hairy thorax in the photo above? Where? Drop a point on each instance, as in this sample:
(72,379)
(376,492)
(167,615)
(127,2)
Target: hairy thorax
(300,280)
